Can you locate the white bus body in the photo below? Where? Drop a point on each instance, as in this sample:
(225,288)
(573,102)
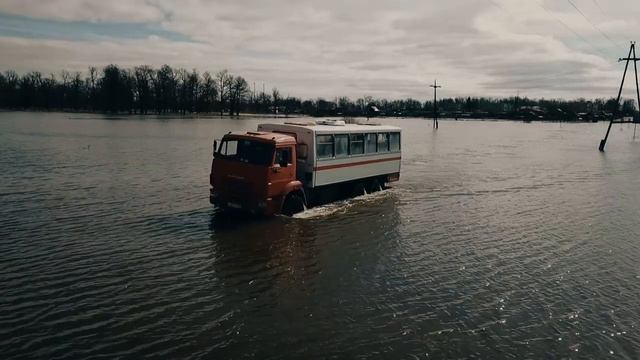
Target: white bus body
(332,153)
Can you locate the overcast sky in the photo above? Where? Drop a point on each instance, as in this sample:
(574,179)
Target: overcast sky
(393,49)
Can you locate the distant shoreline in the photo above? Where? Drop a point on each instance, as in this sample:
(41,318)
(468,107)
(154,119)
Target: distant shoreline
(179,115)
(153,114)
(147,91)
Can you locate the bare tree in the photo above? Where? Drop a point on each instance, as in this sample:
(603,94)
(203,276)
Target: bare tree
(76,91)
(165,88)
(239,93)
(111,87)
(276,99)
(66,77)
(91,81)
(224,80)
(143,80)
(182,78)
(193,90)
(208,93)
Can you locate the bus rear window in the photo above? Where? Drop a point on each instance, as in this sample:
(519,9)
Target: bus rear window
(394,141)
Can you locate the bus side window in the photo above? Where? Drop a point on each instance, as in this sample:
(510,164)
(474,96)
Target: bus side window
(342,145)
(356,144)
(324,146)
(370,142)
(383,142)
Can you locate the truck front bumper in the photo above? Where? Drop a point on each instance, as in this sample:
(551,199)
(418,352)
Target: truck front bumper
(267,206)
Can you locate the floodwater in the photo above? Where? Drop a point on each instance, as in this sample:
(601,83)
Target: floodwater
(502,240)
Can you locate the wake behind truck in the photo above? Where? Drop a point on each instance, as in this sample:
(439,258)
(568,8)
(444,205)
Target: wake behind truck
(285,168)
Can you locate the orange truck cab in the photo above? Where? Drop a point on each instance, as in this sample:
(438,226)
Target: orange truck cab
(256,172)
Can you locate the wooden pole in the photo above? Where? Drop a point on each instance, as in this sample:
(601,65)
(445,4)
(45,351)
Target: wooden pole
(635,67)
(435,87)
(603,142)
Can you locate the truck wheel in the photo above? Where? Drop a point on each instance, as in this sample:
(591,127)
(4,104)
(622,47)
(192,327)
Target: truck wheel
(375,186)
(359,190)
(293,204)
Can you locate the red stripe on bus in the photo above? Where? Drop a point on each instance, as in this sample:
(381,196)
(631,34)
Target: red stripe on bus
(338,166)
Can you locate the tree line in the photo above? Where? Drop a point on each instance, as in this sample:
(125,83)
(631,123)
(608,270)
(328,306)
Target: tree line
(165,90)
(141,90)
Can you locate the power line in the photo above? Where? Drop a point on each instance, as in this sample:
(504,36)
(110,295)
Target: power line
(570,29)
(496,5)
(599,7)
(501,7)
(566,26)
(593,24)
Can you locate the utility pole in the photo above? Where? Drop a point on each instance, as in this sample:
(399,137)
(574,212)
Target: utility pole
(435,87)
(629,58)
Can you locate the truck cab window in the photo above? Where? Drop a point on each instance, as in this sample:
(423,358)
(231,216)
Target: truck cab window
(283,156)
(246,151)
(229,148)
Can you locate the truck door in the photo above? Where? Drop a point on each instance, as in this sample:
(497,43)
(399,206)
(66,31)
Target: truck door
(283,170)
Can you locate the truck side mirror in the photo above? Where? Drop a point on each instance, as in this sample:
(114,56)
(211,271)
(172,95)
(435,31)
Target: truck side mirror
(215,146)
(302,151)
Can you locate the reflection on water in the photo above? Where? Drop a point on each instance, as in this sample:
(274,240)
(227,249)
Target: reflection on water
(286,274)
(502,240)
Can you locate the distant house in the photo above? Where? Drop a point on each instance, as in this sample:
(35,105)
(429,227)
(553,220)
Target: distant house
(372,111)
(531,113)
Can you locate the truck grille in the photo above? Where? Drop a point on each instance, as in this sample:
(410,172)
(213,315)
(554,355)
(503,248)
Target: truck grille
(239,189)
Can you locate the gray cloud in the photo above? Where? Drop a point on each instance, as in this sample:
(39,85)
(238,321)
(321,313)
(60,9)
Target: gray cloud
(86,10)
(334,48)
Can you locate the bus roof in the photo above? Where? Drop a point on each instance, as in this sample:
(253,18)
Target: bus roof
(331,129)
(263,136)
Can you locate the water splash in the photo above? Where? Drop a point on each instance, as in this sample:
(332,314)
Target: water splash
(341,206)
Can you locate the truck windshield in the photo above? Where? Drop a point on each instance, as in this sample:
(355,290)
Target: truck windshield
(247,151)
